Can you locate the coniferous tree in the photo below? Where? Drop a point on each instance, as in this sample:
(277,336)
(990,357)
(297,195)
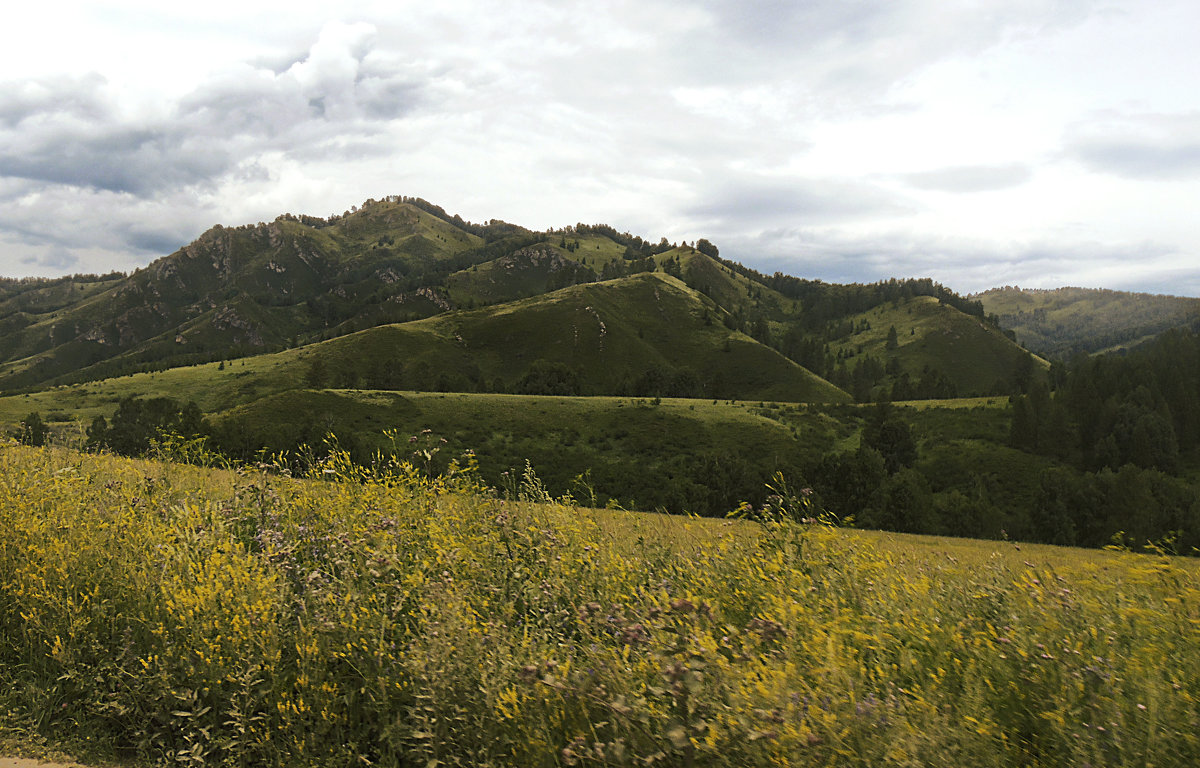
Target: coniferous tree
(32,431)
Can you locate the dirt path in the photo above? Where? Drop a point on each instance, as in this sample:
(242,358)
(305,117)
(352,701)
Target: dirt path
(25,762)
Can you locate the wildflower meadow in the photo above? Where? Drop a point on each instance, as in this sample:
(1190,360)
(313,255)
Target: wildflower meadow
(153,612)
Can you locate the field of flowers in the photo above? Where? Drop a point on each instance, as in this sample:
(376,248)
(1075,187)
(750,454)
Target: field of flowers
(168,613)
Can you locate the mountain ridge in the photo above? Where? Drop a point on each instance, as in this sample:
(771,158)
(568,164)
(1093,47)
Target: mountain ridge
(238,291)
(1060,322)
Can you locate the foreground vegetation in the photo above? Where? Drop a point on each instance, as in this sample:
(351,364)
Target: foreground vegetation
(192,616)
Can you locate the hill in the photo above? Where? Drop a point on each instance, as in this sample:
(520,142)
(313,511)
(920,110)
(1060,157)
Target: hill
(245,290)
(921,347)
(1065,321)
(648,334)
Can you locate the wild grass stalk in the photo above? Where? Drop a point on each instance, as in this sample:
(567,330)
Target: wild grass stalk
(192,616)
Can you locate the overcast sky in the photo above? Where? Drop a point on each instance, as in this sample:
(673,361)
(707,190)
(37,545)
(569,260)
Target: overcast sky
(981,143)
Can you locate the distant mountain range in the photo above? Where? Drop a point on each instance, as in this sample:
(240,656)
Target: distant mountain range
(398,294)
(1066,321)
(492,307)
(652,374)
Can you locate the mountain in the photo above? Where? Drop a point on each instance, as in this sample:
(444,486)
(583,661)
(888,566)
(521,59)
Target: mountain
(1065,321)
(244,290)
(652,374)
(299,280)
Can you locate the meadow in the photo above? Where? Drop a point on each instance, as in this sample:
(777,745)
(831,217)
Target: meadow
(163,613)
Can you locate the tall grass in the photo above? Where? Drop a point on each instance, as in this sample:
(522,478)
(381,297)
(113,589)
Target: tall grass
(245,618)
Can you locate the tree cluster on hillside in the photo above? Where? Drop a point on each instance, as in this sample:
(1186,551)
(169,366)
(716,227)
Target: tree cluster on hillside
(823,302)
(1122,428)
(138,422)
(1108,411)
(1064,322)
(876,485)
(821,315)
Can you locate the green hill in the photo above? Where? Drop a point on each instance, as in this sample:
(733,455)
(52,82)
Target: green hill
(245,290)
(676,454)
(936,351)
(1061,322)
(239,292)
(648,334)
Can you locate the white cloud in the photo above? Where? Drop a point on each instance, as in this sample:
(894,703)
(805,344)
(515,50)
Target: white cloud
(971,178)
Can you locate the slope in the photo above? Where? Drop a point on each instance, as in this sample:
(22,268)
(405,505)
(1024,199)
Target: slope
(647,334)
(244,290)
(935,351)
(1061,322)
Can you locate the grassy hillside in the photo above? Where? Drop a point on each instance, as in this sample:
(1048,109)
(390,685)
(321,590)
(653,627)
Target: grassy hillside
(641,331)
(676,454)
(242,290)
(252,619)
(647,328)
(1058,323)
(531,271)
(933,339)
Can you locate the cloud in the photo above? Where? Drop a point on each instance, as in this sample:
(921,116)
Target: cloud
(58,259)
(72,97)
(847,50)
(76,131)
(744,200)
(67,220)
(963,264)
(971,178)
(1144,147)
(116,158)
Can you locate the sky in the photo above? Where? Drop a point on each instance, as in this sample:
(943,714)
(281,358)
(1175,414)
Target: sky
(982,143)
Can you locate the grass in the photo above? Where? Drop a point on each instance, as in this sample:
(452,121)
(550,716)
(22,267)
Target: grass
(972,355)
(164,613)
(207,385)
(631,451)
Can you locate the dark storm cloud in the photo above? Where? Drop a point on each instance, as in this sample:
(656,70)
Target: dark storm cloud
(61,219)
(116,158)
(63,97)
(971,178)
(154,240)
(1146,147)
